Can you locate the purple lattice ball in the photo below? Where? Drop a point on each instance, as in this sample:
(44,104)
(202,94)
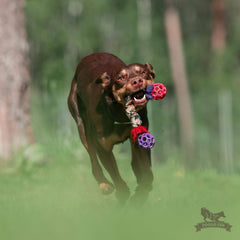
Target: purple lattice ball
(146,140)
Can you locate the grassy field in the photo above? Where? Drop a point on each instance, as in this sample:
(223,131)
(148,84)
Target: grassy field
(60,200)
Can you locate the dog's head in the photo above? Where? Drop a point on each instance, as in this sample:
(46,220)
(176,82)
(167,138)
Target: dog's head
(131,81)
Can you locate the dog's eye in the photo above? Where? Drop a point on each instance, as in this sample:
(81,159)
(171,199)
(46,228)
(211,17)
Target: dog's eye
(143,72)
(121,78)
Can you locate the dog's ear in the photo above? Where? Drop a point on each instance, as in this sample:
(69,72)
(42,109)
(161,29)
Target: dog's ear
(150,69)
(104,80)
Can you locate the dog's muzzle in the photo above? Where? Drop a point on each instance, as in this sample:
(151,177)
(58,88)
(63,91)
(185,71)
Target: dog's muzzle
(139,98)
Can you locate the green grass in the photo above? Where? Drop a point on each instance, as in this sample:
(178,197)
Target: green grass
(60,200)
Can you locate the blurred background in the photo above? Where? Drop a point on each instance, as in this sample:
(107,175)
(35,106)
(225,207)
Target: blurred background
(194,49)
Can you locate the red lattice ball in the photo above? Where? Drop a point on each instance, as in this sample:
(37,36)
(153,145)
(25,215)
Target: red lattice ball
(159,91)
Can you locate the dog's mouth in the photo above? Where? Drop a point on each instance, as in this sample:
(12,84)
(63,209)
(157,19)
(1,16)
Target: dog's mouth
(139,98)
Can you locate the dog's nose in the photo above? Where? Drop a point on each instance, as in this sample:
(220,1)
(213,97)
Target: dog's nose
(137,82)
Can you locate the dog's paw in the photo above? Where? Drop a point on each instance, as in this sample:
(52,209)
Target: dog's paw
(140,196)
(106,188)
(122,194)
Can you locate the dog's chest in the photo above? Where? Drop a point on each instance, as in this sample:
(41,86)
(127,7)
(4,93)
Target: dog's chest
(118,135)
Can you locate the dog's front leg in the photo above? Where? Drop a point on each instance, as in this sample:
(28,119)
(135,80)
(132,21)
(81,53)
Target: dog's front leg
(141,165)
(108,160)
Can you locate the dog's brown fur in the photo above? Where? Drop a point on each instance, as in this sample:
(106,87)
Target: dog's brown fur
(96,101)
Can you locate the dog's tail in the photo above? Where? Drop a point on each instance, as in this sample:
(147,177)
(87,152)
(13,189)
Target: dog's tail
(74,110)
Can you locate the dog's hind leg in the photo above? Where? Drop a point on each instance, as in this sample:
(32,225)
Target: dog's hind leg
(74,110)
(73,103)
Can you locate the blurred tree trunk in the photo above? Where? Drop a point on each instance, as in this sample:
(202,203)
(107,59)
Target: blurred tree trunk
(172,24)
(218,39)
(15,122)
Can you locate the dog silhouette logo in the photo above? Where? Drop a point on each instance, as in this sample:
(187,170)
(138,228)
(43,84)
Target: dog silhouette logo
(211,220)
(212,216)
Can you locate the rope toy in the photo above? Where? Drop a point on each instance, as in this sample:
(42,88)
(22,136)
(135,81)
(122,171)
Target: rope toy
(156,91)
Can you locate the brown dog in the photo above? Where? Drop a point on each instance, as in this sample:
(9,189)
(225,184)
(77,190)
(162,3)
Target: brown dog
(96,101)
